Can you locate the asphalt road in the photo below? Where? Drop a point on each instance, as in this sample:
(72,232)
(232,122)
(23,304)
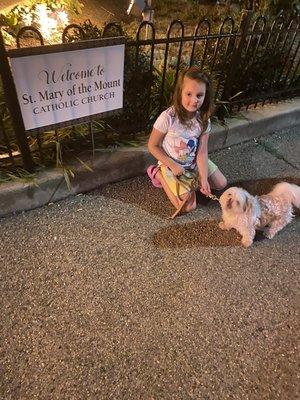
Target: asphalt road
(104,297)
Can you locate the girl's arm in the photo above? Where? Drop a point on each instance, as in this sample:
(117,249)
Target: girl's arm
(202,160)
(155,148)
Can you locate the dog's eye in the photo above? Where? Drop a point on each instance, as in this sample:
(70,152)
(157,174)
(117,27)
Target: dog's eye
(237,202)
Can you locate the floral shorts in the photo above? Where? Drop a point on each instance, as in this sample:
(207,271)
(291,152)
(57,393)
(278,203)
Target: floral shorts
(187,182)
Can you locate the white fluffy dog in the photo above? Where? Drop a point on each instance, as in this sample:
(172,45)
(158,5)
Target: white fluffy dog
(270,212)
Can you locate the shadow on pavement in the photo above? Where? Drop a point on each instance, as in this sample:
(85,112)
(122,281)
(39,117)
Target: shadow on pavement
(263,186)
(194,234)
(139,191)
(205,232)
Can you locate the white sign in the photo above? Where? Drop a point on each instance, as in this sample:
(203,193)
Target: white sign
(63,86)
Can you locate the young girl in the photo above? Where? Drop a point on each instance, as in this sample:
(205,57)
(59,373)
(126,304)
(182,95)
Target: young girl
(179,141)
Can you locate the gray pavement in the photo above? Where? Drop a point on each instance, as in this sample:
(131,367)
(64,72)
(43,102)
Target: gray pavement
(104,297)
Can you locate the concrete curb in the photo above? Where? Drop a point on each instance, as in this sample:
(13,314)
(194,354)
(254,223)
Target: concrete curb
(108,167)
(255,123)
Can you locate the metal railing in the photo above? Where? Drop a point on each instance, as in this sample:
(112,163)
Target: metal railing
(250,64)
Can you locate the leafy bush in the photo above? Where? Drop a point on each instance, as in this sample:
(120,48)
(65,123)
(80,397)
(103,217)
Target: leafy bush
(28,14)
(275,6)
(90,30)
(268,72)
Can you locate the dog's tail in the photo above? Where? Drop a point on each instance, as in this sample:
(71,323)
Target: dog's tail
(289,192)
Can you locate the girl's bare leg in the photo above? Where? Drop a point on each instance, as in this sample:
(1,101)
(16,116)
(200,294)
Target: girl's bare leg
(191,203)
(217,180)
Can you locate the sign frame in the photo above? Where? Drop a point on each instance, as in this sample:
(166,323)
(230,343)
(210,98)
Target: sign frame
(67,47)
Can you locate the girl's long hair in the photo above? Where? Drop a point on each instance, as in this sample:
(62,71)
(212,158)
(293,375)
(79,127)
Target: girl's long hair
(207,107)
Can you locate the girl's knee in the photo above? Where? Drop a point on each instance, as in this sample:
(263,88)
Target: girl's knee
(218,181)
(222,183)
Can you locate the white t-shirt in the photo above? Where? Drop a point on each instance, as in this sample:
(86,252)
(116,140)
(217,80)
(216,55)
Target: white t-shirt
(181,141)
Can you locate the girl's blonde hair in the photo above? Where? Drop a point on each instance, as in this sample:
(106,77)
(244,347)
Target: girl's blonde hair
(207,107)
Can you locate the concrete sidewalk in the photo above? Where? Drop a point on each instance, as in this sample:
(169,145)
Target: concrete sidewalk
(50,186)
(104,297)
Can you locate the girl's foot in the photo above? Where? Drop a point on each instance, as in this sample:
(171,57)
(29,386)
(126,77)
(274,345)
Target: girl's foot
(151,172)
(187,205)
(191,203)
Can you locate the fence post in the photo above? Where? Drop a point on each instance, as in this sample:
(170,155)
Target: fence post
(236,57)
(13,106)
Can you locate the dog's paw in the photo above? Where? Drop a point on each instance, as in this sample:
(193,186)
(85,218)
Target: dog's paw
(247,242)
(223,226)
(269,234)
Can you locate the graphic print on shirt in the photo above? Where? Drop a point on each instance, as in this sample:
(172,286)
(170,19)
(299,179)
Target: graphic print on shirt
(185,150)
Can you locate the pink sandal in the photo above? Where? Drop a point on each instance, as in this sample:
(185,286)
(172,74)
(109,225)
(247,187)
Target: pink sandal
(151,172)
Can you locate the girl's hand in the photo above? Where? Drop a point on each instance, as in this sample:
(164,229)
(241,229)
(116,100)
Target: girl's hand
(205,188)
(177,169)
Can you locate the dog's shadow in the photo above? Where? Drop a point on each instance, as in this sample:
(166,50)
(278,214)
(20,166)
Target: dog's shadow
(205,233)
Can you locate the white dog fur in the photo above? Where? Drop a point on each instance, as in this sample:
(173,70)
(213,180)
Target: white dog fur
(270,212)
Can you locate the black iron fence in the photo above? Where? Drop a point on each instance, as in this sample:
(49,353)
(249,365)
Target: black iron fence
(250,64)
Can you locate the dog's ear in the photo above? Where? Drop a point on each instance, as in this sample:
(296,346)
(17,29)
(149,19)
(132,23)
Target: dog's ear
(247,204)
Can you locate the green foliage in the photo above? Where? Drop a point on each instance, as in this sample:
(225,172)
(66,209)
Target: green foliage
(157,95)
(90,30)
(14,18)
(17,174)
(266,66)
(191,11)
(275,6)
(187,10)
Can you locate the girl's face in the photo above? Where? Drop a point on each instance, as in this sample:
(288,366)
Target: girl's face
(192,95)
